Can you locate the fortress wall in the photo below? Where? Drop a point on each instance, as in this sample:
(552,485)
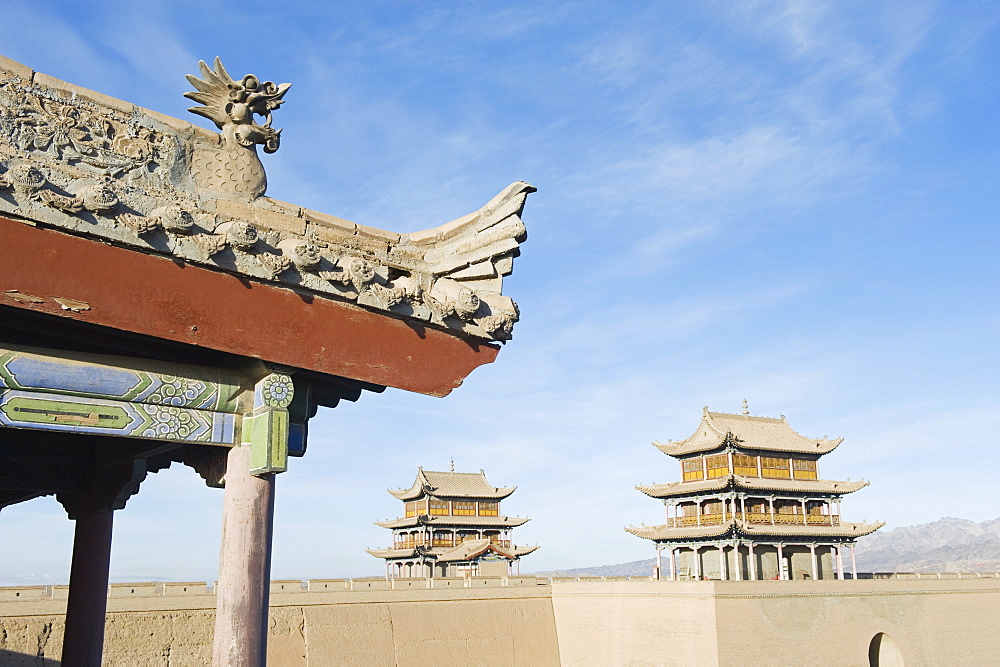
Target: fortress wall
(932,622)
(635,623)
(336,626)
(586,622)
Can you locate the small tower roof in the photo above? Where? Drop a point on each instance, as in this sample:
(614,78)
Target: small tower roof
(761,433)
(452,484)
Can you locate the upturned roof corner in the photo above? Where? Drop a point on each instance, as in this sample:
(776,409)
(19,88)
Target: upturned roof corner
(100,168)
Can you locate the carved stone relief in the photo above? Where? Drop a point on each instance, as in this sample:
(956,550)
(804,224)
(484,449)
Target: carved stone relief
(159,185)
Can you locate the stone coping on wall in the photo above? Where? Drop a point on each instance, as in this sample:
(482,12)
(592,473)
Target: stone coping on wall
(286,587)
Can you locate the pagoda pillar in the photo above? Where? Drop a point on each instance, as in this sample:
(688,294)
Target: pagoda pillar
(673,569)
(244,564)
(697,506)
(753,562)
(659,562)
(805,519)
(722,562)
(83,640)
(815,568)
(770,500)
(840,563)
(736,558)
(743,507)
(781,562)
(697,562)
(854,564)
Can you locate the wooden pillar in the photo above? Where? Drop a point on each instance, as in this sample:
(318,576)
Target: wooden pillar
(244,565)
(805,519)
(697,563)
(840,564)
(781,561)
(771,501)
(698,510)
(659,562)
(673,569)
(743,507)
(753,562)
(736,558)
(722,562)
(854,564)
(83,641)
(815,567)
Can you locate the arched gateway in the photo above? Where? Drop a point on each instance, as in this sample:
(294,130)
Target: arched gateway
(751,505)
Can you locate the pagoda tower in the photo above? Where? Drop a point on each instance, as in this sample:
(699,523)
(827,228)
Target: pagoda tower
(452,527)
(751,504)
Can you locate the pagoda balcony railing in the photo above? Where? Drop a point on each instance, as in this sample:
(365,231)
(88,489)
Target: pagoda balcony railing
(759,517)
(447,542)
(808,519)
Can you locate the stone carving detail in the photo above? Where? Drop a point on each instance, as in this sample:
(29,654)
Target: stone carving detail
(234,167)
(303,253)
(239,234)
(275,265)
(105,169)
(174,219)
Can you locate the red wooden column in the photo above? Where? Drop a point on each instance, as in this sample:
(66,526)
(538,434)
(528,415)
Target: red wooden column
(247,525)
(244,565)
(83,641)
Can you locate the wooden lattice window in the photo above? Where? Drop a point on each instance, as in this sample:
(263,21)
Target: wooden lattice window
(693,470)
(438,507)
(463,507)
(804,469)
(411,509)
(775,467)
(745,465)
(718,465)
(489,509)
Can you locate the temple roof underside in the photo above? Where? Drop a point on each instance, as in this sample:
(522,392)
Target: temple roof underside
(739,483)
(452,485)
(742,529)
(719,429)
(468,550)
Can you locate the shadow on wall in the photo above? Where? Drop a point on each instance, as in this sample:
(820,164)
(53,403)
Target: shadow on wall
(15,659)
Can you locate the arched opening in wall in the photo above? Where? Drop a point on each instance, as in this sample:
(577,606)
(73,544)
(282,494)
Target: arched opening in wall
(884,652)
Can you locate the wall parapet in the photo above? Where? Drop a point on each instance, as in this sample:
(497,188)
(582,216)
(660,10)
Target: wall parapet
(293,586)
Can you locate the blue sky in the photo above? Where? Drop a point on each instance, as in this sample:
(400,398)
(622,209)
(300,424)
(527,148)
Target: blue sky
(791,202)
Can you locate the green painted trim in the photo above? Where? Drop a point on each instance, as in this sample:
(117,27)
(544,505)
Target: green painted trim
(121,378)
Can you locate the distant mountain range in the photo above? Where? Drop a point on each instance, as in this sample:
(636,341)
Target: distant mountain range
(945,545)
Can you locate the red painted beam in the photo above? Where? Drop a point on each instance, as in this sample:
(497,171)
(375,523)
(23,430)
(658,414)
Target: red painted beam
(174,300)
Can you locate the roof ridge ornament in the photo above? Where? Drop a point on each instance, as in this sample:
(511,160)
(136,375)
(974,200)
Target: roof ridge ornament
(233,105)
(746,410)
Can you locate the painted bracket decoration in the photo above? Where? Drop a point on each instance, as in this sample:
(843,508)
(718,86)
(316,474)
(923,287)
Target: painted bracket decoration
(104,395)
(265,428)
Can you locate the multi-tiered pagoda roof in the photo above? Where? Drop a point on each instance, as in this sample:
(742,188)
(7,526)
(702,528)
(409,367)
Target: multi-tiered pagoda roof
(451,523)
(749,482)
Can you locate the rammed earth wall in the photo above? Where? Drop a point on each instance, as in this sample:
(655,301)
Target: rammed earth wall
(929,622)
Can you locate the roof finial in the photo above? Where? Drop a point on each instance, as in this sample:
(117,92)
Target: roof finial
(746,410)
(452,469)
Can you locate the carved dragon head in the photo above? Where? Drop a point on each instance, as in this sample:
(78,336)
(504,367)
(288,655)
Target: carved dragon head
(232,105)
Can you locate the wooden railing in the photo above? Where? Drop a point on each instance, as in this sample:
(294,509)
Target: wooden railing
(446,542)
